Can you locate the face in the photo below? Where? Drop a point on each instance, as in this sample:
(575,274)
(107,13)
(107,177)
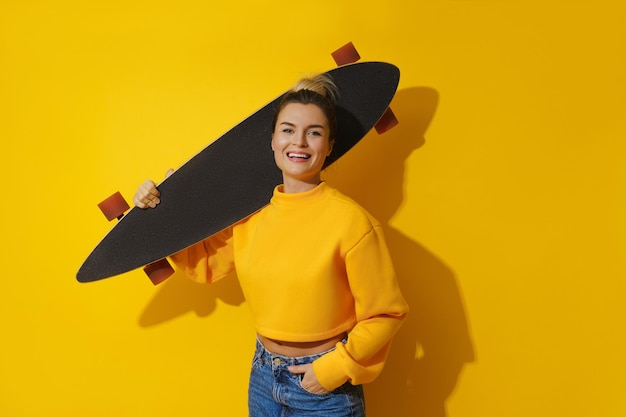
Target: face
(301,144)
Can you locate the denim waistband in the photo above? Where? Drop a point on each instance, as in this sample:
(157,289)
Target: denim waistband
(277,359)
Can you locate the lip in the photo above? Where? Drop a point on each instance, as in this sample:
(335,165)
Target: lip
(298,156)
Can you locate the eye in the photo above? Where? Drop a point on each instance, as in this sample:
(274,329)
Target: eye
(315,133)
(287,130)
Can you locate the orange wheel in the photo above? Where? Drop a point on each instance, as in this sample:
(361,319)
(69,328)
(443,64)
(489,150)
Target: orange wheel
(159,271)
(347,54)
(114,206)
(386,122)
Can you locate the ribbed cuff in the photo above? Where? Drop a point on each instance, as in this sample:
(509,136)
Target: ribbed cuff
(329,369)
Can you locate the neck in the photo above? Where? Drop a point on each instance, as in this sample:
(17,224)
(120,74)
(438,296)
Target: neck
(291,186)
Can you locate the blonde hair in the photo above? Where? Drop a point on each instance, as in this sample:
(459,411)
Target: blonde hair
(321,84)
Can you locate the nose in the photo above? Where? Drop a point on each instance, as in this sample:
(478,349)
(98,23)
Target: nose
(300,140)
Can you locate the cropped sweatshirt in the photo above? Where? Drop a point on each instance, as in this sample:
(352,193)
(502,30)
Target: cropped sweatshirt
(311,265)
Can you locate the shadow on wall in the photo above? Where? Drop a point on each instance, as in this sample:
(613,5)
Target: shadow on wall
(431,348)
(179,295)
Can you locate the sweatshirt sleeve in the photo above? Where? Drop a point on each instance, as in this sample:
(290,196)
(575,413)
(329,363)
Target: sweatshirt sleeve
(380,310)
(208,260)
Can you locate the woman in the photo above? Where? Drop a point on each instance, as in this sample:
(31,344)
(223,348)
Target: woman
(314,269)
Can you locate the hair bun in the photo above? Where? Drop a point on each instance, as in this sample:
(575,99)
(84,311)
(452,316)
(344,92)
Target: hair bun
(321,84)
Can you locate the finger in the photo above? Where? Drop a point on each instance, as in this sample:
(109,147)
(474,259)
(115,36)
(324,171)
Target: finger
(144,203)
(297,369)
(169,172)
(310,383)
(138,203)
(147,195)
(150,189)
(154,202)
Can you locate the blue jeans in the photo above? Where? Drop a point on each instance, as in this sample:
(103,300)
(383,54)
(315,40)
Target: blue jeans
(276,392)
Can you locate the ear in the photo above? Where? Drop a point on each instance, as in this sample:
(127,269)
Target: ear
(331,143)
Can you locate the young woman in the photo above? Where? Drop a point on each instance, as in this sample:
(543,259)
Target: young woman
(314,269)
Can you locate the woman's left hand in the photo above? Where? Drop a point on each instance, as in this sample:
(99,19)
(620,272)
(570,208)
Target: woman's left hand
(309,380)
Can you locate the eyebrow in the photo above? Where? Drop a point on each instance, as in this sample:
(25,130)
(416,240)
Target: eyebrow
(308,127)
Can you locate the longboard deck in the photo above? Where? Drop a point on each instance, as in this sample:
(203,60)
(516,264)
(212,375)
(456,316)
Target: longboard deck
(233,177)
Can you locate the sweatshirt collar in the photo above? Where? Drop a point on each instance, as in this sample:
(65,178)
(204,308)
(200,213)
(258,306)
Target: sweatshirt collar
(281,198)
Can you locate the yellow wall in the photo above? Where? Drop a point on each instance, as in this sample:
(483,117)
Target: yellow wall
(502,190)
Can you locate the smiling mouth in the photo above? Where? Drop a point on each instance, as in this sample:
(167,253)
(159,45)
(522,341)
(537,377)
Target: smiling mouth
(301,156)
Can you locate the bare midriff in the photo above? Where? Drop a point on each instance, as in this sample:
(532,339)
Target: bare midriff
(295,349)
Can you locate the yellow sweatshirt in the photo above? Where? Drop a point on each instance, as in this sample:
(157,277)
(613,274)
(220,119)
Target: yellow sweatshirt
(311,266)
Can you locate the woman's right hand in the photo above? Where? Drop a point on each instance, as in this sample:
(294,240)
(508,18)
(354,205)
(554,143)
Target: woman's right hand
(148,195)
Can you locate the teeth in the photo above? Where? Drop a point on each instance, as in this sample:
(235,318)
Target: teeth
(298,155)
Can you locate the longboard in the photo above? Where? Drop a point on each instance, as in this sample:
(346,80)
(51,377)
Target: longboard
(233,177)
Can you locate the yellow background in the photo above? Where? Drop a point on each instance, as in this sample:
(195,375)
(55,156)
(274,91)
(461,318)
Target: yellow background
(502,191)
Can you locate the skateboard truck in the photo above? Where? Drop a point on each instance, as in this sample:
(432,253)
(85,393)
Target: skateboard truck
(114,207)
(387,122)
(159,271)
(348,54)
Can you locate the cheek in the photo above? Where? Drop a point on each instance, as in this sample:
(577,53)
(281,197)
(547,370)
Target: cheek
(278,142)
